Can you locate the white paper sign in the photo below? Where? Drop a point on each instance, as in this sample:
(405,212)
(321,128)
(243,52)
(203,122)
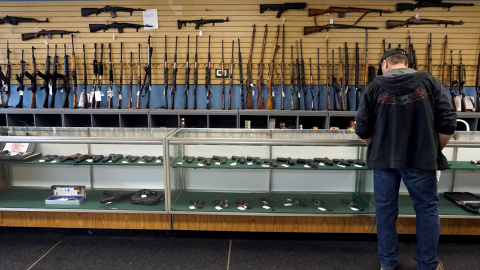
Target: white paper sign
(150,17)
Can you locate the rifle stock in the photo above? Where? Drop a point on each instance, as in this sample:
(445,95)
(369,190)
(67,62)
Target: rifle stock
(327,69)
(270,95)
(260,73)
(477,85)
(74,76)
(130,92)
(452,83)
(223,80)
(248,80)
(414,21)
(313,29)
(230,84)
(120,83)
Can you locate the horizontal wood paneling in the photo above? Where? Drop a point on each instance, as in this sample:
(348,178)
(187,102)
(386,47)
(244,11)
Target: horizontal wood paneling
(272,224)
(450,226)
(66,16)
(85,220)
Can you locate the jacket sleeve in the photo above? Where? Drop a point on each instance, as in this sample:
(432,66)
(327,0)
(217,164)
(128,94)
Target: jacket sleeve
(365,116)
(445,116)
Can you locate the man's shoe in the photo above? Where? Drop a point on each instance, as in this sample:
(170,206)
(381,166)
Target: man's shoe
(439,266)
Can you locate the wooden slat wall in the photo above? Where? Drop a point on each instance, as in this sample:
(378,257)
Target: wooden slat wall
(65,15)
(85,220)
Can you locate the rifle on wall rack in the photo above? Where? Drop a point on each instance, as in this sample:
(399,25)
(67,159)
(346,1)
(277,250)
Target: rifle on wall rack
(327,68)
(282,71)
(222,65)
(200,22)
(429,56)
(313,29)
(21,86)
(319,106)
(33,80)
(260,73)
(348,105)
(147,81)
(358,89)
(248,80)
(46,33)
(452,84)
(342,10)
(47,77)
(412,55)
(312,92)
(55,77)
(174,76)
(428,3)
(304,88)
(415,21)
(130,91)
(340,71)
(119,26)
(445,64)
(120,83)
(195,75)
(271,93)
(466,102)
(187,74)
(15,20)
(5,77)
(139,79)
(165,75)
(207,76)
(230,84)
(98,93)
(74,76)
(95,77)
(477,85)
(240,76)
(365,74)
(85,81)
(110,78)
(336,87)
(299,78)
(66,80)
(110,9)
(292,81)
(281,8)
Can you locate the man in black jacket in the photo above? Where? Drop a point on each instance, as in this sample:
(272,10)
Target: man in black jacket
(406,119)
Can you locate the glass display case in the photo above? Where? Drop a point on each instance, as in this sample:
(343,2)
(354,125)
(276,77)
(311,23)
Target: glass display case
(108,166)
(284,172)
(268,172)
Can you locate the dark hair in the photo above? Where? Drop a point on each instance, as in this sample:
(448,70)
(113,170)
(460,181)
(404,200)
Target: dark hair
(397,58)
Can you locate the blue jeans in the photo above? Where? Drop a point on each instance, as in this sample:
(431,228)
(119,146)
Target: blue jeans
(422,187)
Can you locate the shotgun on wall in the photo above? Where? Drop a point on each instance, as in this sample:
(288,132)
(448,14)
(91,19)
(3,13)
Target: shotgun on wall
(477,85)
(5,77)
(33,80)
(47,77)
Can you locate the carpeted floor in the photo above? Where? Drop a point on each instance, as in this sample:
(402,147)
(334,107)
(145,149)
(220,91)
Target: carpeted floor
(22,248)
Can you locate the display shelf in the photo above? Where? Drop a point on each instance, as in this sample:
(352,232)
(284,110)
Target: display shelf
(123,161)
(463,165)
(33,199)
(446,208)
(182,203)
(229,161)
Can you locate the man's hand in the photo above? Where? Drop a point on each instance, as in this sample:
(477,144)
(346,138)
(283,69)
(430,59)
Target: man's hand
(443,139)
(368,140)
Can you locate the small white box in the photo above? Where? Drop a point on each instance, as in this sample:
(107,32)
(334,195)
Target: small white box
(67,195)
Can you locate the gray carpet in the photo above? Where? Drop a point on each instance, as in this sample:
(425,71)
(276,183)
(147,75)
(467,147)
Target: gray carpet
(119,249)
